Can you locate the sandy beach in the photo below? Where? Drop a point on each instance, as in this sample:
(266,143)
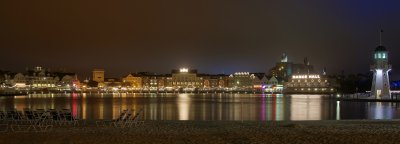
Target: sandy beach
(299,132)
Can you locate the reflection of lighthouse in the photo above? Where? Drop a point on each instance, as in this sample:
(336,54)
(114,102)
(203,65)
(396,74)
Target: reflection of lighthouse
(380,83)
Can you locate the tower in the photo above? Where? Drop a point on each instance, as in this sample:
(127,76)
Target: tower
(381,67)
(284,58)
(98,75)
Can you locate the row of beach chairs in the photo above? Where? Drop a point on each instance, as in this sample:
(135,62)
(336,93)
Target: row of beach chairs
(38,120)
(127,119)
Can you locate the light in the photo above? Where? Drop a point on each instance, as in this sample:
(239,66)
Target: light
(183,70)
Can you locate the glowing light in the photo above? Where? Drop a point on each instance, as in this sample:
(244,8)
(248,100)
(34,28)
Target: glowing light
(184,70)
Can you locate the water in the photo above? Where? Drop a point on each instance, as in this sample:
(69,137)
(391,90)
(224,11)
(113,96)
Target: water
(207,106)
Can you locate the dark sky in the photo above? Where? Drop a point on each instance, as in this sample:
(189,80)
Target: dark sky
(214,36)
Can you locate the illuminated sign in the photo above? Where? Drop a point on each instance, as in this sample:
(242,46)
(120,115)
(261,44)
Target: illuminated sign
(305,76)
(183,70)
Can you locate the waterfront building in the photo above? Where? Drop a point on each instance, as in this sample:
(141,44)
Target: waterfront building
(241,81)
(380,82)
(134,80)
(309,83)
(186,79)
(19,81)
(112,82)
(68,81)
(285,69)
(40,78)
(217,82)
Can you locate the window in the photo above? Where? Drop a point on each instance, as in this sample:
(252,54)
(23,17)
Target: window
(384,55)
(379,55)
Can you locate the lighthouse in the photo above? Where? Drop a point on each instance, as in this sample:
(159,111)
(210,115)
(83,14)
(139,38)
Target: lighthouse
(380,83)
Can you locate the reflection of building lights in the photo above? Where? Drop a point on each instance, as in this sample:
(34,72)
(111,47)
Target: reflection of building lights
(183,105)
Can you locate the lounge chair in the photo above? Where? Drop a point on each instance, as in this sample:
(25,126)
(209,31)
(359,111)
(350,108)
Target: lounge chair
(105,123)
(67,117)
(137,120)
(2,116)
(38,125)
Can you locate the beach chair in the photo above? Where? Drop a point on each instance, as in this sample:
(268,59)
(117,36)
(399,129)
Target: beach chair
(67,118)
(13,115)
(38,113)
(29,114)
(133,121)
(105,123)
(141,117)
(137,120)
(39,125)
(124,121)
(2,116)
(54,116)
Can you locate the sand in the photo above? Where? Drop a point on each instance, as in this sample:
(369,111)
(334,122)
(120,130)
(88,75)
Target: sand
(297,132)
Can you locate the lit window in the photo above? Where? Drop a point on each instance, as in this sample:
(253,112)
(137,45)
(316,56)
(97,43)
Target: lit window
(384,55)
(379,55)
(375,56)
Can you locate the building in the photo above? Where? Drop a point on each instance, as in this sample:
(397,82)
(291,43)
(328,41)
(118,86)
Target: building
(380,82)
(214,82)
(41,78)
(151,81)
(134,80)
(112,83)
(186,79)
(98,75)
(241,81)
(272,84)
(19,81)
(309,83)
(285,69)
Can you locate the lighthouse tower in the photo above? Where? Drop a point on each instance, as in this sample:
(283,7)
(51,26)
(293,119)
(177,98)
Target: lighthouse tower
(380,83)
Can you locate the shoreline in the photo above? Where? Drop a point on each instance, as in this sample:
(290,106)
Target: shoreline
(325,131)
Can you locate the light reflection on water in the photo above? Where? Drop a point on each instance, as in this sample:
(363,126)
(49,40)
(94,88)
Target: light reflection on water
(206,106)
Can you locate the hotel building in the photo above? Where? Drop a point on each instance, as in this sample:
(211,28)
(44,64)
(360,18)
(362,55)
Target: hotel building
(309,83)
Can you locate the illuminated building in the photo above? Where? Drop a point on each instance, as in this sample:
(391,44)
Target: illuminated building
(134,80)
(272,85)
(19,81)
(112,82)
(41,78)
(285,69)
(214,81)
(380,83)
(309,83)
(98,75)
(185,78)
(152,81)
(241,80)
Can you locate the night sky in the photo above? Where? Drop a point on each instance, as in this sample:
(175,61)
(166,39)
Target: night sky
(213,36)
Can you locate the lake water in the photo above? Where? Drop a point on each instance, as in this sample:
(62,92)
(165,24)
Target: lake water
(207,106)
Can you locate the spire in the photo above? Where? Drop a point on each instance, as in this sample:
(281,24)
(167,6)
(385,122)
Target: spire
(306,61)
(380,37)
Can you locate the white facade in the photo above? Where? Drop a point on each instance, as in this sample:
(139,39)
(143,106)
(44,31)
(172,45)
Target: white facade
(380,83)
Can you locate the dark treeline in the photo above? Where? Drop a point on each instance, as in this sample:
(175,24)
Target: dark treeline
(353,83)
